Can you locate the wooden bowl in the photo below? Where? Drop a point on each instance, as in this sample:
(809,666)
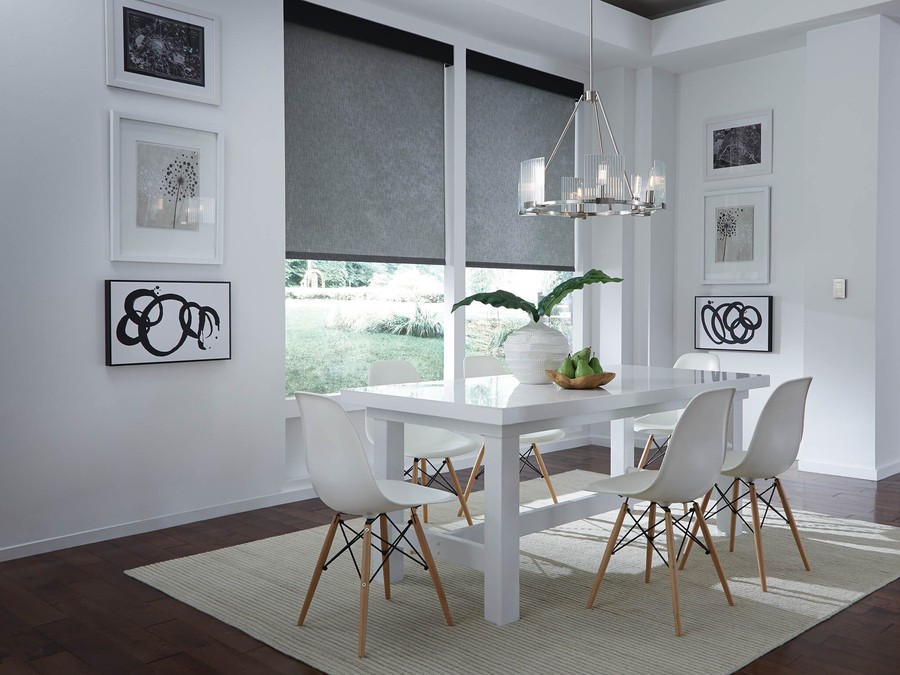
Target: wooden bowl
(586,382)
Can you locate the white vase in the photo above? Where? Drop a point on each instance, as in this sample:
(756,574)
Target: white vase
(534,348)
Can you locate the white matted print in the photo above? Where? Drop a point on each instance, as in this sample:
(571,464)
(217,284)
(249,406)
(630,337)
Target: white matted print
(734,322)
(161,48)
(736,237)
(739,145)
(167,321)
(165,191)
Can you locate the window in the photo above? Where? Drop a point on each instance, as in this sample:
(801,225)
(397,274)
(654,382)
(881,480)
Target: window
(341,316)
(365,194)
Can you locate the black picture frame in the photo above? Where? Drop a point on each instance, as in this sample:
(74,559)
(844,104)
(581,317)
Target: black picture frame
(733,322)
(150,321)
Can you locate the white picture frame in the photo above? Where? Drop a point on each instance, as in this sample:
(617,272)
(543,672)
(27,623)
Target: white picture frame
(738,219)
(166,191)
(184,62)
(167,321)
(738,145)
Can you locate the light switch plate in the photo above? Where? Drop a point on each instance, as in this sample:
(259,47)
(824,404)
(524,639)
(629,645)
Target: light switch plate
(839,288)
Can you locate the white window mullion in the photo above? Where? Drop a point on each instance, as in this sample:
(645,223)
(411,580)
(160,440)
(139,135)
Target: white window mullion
(455,210)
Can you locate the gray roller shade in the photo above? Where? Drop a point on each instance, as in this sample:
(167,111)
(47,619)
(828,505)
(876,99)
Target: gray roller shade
(506,123)
(364,150)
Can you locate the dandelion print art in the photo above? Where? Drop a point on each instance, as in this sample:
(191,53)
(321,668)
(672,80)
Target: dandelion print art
(167,182)
(734,234)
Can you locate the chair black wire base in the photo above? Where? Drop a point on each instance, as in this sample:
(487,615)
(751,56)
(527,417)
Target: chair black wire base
(435,476)
(394,545)
(524,461)
(644,532)
(766,496)
(659,451)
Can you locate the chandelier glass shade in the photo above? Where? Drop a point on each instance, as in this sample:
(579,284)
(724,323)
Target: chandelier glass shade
(602,186)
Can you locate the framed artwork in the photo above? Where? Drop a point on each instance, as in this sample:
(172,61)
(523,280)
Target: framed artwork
(167,321)
(165,191)
(739,145)
(736,236)
(733,322)
(162,49)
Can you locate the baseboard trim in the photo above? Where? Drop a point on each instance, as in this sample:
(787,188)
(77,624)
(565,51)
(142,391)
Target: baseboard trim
(295,490)
(844,470)
(298,490)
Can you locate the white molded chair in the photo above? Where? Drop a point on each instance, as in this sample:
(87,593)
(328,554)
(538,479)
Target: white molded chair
(689,468)
(661,424)
(485,365)
(772,450)
(424,444)
(343,480)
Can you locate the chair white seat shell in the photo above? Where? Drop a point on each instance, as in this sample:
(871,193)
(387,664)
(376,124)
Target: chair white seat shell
(772,451)
(424,444)
(689,468)
(342,478)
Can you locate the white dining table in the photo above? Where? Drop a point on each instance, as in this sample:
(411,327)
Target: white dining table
(500,409)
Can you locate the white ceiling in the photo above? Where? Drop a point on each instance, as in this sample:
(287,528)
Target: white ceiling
(717,32)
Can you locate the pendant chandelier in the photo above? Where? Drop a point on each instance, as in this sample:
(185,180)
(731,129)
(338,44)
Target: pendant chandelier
(603,188)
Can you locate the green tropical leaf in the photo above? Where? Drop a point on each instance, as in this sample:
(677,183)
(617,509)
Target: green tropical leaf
(500,299)
(554,297)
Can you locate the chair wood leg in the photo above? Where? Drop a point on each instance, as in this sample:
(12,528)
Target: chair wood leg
(646,454)
(385,557)
(735,486)
(320,566)
(712,554)
(607,554)
(459,491)
(364,587)
(790,518)
(415,471)
(651,528)
(757,537)
(472,476)
(432,568)
(673,575)
(694,528)
(423,477)
(544,472)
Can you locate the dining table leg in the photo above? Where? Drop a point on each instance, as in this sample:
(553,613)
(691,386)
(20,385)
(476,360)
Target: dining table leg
(736,439)
(501,529)
(621,457)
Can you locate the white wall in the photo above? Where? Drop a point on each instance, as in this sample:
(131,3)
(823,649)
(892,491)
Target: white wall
(774,82)
(850,344)
(85,447)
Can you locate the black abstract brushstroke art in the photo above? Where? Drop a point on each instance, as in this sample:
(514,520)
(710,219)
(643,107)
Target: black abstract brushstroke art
(730,323)
(197,322)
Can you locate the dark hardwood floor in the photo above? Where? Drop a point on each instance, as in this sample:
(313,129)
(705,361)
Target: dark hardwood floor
(74,611)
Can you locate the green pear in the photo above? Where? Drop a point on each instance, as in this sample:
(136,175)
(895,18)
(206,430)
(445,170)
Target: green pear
(583,369)
(594,363)
(568,367)
(582,354)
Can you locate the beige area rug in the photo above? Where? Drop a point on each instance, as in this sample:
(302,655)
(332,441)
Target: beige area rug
(259,588)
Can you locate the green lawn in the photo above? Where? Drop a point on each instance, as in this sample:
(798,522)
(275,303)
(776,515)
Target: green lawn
(324,360)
